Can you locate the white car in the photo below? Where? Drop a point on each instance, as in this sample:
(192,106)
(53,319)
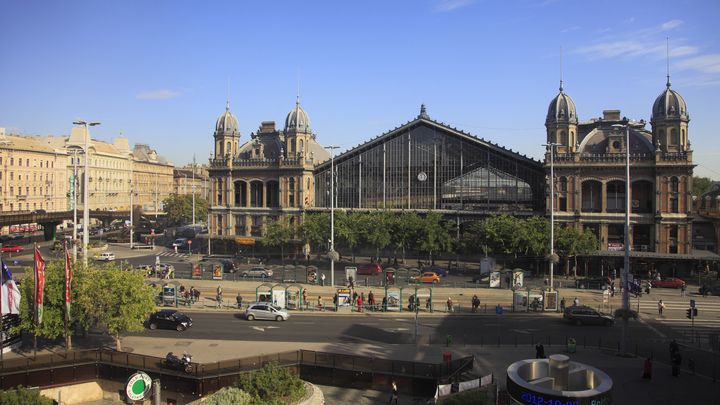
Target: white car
(106,257)
(258,272)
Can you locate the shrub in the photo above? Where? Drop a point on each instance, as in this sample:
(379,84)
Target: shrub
(230,396)
(23,396)
(272,384)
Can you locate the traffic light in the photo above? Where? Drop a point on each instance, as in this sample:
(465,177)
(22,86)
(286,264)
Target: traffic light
(689,313)
(694,312)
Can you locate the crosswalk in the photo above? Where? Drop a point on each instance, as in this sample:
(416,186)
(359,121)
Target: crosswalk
(172,254)
(700,331)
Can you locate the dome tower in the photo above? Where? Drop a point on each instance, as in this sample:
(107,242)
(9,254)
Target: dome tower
(297,132)
(561,122)
(670,121)
(227,134)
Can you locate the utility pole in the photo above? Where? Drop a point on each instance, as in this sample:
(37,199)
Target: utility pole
(332,253)
(86,191)
(193,189)
(131,205)
(74,203)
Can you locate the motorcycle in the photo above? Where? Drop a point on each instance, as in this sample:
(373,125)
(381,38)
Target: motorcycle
(174,362)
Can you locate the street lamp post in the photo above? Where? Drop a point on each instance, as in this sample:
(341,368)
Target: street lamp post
(86,190)
(332,213)
(551,146)
(193,189)
(74,203)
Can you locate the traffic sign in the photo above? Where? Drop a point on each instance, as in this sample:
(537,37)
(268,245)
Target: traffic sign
(189,242)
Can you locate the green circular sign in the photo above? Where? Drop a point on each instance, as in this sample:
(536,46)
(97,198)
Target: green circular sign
(138,386)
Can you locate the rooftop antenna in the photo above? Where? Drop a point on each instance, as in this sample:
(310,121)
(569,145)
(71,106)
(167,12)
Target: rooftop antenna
(667,51)
(227,98)
(561,71)
(297,98)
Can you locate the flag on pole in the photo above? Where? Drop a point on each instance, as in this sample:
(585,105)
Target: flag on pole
(9,292)
(39,285)
(68,282)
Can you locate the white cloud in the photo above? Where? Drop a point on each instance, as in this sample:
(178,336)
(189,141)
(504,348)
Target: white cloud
(629,20)
(160,94)
(451,5)
(569,29)
(705,63)
(666,26)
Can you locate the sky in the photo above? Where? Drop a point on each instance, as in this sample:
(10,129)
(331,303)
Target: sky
(160,72)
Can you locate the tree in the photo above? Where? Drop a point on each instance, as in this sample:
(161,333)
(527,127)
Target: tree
(571,242)
(23,396)
(117,300)
(435,235)
(406,230)
(278,233)
(701,185)
(315,229)
(349,227)
(179,208)
(378,230)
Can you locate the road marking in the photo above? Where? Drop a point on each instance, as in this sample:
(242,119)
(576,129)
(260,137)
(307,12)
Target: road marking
(521,331)
(258,328)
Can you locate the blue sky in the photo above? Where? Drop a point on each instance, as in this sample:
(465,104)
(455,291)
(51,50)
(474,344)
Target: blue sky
(159,70)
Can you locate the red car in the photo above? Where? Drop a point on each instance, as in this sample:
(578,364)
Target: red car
(12,249)
(669,282)
(369,269)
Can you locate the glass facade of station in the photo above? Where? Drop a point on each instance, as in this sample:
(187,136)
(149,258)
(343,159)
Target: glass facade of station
(425,165)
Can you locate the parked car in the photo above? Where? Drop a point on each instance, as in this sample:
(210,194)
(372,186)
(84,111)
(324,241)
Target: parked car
(258,272)
(428,277)
(669,282)
(169,319)
(12,248)
(369,269)
(39,212)
(105,257)
(264,310)
(710,290)
(584,315)
(441,271)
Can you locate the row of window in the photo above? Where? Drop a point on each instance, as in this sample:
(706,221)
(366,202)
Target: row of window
(48,206)
(43,163)
(48,176)
(27,191)
(642,196)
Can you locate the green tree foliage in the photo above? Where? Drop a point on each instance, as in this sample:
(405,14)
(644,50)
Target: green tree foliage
(272,385)
(436,235)
(179,208)
(278,233)
(23,396)
(229,396)
(701,185)
(350,229)
(315,229)
(378,229)
(571,242)
(406,231)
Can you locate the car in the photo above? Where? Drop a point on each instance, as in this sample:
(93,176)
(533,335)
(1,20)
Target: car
(180,242)
(584,315)
(481,278)
(169,319)
(105,257)
(668,282)
(710,290)
(265,310)
(164,268)
(428,277)
(39,212)
(258,272)
(12,249)
(369,269)
(441,271)
(16,235)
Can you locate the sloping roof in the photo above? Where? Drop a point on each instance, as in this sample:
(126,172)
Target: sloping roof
(30,143)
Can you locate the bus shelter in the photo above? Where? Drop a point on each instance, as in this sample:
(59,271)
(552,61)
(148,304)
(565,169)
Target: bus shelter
(293,296)
(272,293)
(393,297)
(401,275)
(422,296)
(288,273)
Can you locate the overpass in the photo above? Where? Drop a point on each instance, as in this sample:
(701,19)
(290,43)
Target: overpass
(50,220)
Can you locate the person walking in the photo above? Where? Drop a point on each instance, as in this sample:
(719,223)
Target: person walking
(322,279)
(319,303)
(449,305)
(238,299)
(539,351)
(576,302)
(562,304)
(304,298)
(393,393)
(683,288)
(661,306)
(218,297)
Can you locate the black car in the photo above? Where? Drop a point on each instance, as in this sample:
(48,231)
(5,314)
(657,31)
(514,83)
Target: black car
(584,315)
(710,290)
(169,319)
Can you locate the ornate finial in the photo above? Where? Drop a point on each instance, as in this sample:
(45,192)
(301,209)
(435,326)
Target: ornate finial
(423,112)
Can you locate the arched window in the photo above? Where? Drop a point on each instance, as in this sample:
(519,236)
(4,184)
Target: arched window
(228,151)
(300,147)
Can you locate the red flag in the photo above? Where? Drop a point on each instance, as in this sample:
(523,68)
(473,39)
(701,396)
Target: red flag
(68,282)
(39,284)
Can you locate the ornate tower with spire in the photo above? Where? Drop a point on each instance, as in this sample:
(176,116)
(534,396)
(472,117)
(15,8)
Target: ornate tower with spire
(227,134)
(670,121)
(297,132)
(561,122)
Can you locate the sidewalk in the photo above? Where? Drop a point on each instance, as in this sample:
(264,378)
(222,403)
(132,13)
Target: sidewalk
(628,386)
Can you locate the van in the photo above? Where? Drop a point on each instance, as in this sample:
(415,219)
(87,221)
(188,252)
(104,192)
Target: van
(106,257)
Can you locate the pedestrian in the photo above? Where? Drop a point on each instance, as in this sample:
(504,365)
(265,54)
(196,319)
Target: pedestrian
(674,347)
(371,300)
(351,282)
(647,369)
(360,303)
(320,303)
(335,301)
(322,279)
(394,393)
(449,305)
(238,299)
(428,304)
(384,304)
(661,306)
(539,351)
(218,297)
(683,288)
(196,295)
(576,302)
(562,304)
(304,298)
(676,362)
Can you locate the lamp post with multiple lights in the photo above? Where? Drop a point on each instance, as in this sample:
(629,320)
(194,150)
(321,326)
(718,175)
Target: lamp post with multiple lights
(332,253)
(86,190)
(551,147)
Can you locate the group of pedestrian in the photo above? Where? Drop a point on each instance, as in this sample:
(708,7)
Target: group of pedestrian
(189,296)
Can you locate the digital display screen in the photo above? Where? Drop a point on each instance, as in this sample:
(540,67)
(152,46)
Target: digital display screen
(529,397)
